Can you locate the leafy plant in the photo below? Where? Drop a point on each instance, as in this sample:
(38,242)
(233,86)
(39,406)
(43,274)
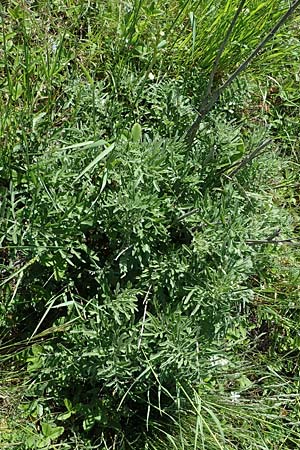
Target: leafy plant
(149,271)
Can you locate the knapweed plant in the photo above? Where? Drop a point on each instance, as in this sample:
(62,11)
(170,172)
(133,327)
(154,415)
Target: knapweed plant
(149,260)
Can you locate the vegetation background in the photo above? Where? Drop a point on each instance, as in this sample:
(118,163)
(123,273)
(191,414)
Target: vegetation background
(149,270)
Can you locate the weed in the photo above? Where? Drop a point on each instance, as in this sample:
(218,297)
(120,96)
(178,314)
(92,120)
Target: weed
(149,288)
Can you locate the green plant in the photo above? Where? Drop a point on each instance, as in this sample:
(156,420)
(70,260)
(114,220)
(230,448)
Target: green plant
(139,274)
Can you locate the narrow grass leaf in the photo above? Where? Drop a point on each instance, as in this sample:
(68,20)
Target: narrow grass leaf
(95,161)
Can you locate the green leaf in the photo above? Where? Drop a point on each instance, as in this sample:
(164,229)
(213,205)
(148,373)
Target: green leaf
(64,416)
(244,382)
(37,118)
(88,422)
(84,145)
(68,404)
(95,161)
(51,431)
(162,44)
(136,132)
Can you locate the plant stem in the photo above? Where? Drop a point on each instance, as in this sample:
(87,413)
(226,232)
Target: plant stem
(251,156)
(222,48)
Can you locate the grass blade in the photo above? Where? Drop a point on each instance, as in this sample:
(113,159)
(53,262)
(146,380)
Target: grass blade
(95,161)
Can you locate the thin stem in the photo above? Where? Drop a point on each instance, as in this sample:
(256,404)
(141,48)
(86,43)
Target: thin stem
(145,303)
(222,47)
(274,242)
(187,214)
(251,156)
